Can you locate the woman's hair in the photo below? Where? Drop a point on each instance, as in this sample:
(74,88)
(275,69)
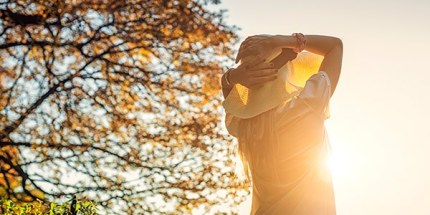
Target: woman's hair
(252,132)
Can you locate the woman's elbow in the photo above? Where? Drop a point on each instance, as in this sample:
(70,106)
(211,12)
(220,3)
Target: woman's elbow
(338,43)
(336,48)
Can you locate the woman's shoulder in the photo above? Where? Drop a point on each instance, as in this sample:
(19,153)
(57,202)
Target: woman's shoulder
(319,75)
(313,98)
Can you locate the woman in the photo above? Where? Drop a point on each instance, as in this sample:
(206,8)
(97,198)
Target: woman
(276,105)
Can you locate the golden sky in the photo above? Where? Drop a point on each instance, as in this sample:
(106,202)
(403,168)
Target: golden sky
(380,113)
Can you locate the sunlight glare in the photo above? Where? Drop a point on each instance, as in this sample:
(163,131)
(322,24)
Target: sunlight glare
(337,165)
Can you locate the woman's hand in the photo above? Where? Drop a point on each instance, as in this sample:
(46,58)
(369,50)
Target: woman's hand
(253,77)
(254,45)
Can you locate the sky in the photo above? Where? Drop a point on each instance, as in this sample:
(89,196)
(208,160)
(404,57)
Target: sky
(379,125)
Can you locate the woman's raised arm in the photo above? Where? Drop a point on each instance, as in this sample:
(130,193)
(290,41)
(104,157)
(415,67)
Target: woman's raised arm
(330,47)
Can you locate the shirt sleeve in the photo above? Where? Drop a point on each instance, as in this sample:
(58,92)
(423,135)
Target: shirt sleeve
(316,93)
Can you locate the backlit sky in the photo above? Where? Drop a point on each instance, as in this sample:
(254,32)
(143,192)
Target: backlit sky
(380,121)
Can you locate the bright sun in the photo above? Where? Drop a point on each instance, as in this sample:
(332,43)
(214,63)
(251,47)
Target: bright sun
(338,165)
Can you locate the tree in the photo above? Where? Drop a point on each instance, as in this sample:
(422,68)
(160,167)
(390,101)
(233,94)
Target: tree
(117,102)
